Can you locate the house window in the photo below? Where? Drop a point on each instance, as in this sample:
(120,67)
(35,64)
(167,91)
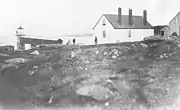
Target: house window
(104,34)
(176,20)
(104,22)
(129,33)
(179,30)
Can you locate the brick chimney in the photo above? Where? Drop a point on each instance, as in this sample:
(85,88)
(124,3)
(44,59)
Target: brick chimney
(130,17)
(145,17)
(119,16)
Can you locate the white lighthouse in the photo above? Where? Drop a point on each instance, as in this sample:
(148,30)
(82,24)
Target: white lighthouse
(20,31)
(19,34)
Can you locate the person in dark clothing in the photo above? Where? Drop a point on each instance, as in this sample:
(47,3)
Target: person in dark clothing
(74,41)
(95,40)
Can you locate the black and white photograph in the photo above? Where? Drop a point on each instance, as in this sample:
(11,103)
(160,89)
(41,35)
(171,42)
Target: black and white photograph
(89,55)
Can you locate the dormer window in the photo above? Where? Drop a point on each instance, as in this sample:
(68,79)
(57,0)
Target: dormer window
(104,22)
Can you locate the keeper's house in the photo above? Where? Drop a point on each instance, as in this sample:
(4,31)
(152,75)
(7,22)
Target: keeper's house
(113,28)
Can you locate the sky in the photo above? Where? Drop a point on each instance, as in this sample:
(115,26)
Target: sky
(58,17)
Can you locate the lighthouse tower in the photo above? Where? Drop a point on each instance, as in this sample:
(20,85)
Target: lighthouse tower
(19,34)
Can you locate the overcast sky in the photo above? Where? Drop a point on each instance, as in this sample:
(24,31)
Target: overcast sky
(57,17)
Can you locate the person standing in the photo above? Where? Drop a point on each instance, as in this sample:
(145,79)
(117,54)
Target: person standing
(95,40)
(74,41)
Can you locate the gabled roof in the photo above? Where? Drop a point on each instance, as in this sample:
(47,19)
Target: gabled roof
(137,22)
(174,17)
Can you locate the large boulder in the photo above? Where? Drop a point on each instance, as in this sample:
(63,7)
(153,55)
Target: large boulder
(2,54)
(97,92)
(97,86)
(35,52)
(17,60)
(5,66)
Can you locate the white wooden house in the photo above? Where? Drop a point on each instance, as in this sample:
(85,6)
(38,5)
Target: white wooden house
(113,28)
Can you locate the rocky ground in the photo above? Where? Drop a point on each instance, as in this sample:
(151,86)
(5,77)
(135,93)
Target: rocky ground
(133,76)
